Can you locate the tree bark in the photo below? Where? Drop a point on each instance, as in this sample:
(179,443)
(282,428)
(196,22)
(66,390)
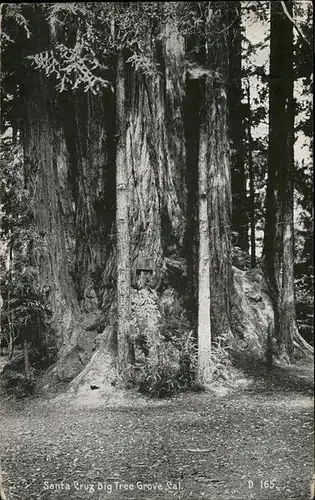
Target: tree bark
(156,154)
(46,174)
(219,174)
(10,331)
(236,129)
(156,165)
(122,220)
(46,171)
(204,324)
(278,242)
(89,124)
(211,65)
(251,186)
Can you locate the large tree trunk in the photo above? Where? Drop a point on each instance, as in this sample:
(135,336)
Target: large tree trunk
(156,155)
(46,173)
(236,129)
(48,162)
(89,123)
(155,159)
(122,220)
(278,243)
(46,170)
(210,65)
(219,175)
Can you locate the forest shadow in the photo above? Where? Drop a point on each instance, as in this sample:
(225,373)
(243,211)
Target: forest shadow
(297,377)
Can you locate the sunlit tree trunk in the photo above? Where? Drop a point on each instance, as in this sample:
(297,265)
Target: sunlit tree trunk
(204,324)
(214,190)
(251,176)
(122,220)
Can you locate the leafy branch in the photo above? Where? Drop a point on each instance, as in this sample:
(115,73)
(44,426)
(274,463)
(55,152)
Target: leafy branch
(71,67)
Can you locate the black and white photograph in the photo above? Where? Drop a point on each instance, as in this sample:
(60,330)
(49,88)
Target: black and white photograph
(156,250)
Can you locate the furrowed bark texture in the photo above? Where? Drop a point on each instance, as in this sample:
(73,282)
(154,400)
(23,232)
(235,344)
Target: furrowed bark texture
(155,159)
(236,128)
(156,154)
(209,68)
(46,174)
(89,123)
(278,244)
(68,147)
(219,176)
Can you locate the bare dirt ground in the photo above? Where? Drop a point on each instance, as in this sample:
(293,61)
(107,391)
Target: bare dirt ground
(253,443)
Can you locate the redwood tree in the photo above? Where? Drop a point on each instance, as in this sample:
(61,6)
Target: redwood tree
(278,242)
(219,172)
(215,284)
(236,127)
(73,152)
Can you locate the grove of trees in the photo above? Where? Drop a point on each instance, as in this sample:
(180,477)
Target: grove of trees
(137,179)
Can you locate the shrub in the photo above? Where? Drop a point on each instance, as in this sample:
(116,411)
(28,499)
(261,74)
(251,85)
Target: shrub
(24,315)
(169,369)
(18,385)
(220,364)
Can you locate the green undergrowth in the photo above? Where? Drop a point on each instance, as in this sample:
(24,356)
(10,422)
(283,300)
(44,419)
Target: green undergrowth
(173,369)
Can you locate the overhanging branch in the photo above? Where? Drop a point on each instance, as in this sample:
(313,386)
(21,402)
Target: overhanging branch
(298,29)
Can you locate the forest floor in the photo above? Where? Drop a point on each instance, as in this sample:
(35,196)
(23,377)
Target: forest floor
(255,442)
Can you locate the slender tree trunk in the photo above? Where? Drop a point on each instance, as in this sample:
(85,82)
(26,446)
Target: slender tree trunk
(10,333)
(251,186)
(122,220)
(204,326)
(27,366)
(10,341)
(278,243)
(236,128)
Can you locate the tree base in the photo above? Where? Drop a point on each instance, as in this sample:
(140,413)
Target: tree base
(100,371)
